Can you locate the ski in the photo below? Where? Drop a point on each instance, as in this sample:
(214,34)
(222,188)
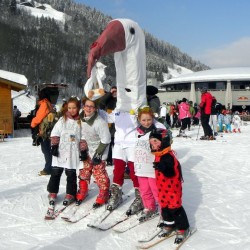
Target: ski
(50,211)
(70,213)
(108,225)
(132,222)
(79,215)
(183,136)
(150,235)
(155,239)
(99,222)
(191,232)
(158,239)
(99,219)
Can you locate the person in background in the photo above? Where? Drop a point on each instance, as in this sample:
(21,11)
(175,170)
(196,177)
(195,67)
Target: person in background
(227,121)
(96,133)
(205,105)
(153,100)
(163,111)
(65,148)
(236,121)
(108,103)
(213,121)
(192,113)
(220,119)
(184,116)
(196,117)
(44,108)
(16,116)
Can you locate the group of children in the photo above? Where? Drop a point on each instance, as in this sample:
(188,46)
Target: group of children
(81,141)
(226,119)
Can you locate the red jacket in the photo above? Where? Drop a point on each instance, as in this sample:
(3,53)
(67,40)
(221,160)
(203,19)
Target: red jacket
(206,103)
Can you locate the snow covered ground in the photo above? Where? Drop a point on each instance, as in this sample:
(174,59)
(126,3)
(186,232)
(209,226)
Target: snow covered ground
(216,199)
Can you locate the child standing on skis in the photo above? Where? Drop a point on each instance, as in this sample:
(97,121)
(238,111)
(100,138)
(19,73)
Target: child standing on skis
(169,184)
(96,132)
(144,163)
(65,145)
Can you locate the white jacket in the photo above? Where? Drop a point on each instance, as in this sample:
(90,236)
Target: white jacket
(143,157)
(95,133)
(69,133)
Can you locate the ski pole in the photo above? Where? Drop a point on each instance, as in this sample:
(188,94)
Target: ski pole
(198,130)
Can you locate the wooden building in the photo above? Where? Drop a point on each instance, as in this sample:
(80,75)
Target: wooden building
(9,81)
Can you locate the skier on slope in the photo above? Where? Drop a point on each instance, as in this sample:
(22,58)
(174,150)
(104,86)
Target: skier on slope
(126,39)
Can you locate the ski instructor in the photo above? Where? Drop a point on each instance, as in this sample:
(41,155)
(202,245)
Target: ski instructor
(126,40)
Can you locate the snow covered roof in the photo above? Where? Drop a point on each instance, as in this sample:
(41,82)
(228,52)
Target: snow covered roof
(16,81)
(223,74)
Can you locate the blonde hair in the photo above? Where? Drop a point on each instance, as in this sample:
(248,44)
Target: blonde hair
(145,110)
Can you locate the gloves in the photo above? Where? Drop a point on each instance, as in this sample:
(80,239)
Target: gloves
(84,155)
(97,159)
(101,148)
(54,150)
(37,140)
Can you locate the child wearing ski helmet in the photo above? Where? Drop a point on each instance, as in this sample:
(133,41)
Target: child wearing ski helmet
(144,163)
(169,184)
(65,147)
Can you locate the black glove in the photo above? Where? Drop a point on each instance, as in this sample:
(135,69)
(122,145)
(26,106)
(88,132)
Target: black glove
(155,165)
(84,155)
(97,159)
(35,132)
(54,150)
(37,141)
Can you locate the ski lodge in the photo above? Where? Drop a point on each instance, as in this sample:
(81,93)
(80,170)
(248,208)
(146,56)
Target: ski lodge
(230,86)
(9,81)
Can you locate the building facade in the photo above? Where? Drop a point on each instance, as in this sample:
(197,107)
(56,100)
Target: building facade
(230,86)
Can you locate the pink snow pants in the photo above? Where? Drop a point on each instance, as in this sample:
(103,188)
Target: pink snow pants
(149,192)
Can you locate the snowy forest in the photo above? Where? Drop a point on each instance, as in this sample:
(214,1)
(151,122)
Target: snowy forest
(45,50)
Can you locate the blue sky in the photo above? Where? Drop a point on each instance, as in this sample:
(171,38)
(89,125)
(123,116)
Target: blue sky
(216,32)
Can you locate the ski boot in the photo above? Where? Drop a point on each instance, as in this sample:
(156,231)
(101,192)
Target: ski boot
(115,197)
(211,138)
(148,214)
(181,235)
(167,229)
(101,199)
(82,192)
(182,134)
(68,199)
(136,205)
(204,137)
(52,198)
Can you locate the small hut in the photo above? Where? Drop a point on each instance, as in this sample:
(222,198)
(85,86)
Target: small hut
(9,81)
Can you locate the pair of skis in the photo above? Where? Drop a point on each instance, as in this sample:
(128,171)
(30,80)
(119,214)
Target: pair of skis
(52,213)
(156,236)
